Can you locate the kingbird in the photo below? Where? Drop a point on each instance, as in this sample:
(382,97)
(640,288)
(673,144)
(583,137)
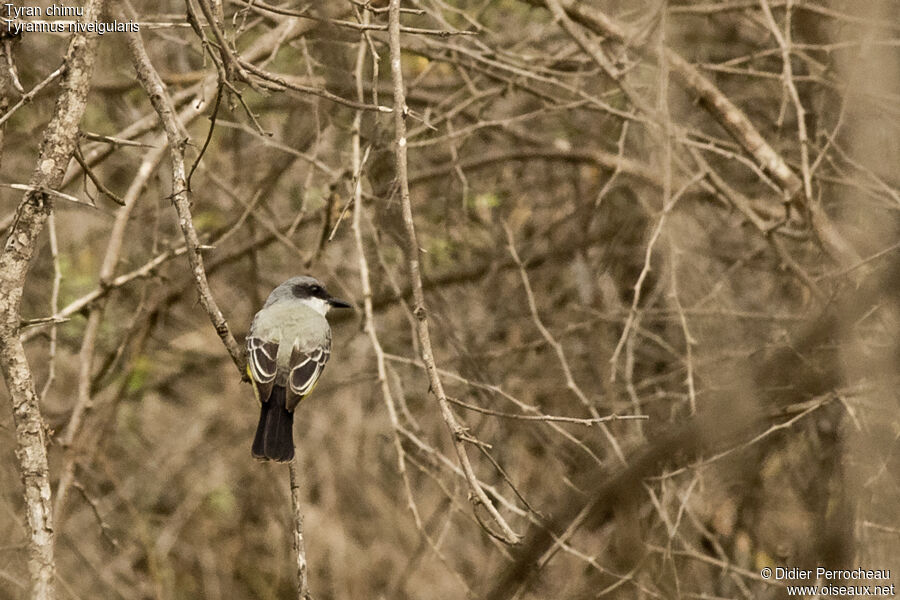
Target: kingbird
(287,348)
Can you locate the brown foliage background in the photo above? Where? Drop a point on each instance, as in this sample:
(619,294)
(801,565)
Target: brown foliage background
(663,265)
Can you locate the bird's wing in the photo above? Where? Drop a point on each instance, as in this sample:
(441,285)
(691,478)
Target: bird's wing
(306,367)
(261,355)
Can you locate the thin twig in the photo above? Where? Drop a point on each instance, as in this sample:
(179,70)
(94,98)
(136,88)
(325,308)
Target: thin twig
(299,545)
(496,389)
(258,5)
(85,301)
(281,82)
(115,141)
(42,190)
(54,306)
(545,418)
(90,173)
(29,96)
(784,43)
(645,270)
(105,529)
(209,135)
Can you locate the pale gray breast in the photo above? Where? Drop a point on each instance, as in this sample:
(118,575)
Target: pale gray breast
(291,323)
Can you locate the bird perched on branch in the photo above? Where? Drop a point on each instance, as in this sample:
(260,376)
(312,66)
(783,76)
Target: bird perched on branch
(287,347)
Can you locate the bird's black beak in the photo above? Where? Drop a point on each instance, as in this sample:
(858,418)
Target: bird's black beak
(335,303)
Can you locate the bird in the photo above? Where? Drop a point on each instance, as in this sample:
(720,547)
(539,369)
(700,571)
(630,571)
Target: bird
(288,344)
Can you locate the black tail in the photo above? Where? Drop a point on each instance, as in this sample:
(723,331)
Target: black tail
(275,433)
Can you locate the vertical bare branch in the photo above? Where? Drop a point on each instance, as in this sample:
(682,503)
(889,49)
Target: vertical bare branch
(6,78)
(457,431)
(369,313)
(54,306)
(365,281)
(297,531)
(178,139)
(57,146)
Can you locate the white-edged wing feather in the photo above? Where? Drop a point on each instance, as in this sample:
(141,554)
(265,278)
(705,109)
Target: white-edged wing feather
(305,368)
(261,356)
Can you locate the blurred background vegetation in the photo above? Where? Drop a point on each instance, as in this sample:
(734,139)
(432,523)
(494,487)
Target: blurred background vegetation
(657,288)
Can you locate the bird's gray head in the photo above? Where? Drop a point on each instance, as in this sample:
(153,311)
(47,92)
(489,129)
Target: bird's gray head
(307,290)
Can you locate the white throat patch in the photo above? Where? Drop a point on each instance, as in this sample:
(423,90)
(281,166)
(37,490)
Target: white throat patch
(318,305)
